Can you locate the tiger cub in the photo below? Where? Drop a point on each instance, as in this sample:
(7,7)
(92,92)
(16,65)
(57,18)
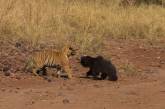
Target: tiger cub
(52,57)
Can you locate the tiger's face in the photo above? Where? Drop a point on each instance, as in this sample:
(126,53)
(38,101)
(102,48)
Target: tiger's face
(72,52)
(68,50)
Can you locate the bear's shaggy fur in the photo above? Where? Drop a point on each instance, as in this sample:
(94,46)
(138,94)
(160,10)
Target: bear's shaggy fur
(99,66)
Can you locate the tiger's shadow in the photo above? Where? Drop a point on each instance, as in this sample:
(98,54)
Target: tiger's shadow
(58,71)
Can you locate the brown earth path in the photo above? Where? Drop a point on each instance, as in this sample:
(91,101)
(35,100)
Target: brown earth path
(144,89)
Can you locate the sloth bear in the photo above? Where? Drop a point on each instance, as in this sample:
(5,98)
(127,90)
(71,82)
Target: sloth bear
(99,66)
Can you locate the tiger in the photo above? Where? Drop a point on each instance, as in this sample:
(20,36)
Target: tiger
(52,57)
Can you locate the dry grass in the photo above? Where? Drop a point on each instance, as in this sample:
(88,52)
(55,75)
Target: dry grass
(129,69)
(80,22)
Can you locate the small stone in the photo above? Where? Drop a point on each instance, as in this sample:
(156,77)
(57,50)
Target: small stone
(49,80)
(7,74)
(32,102)
(3,89)
(97,86)
(17,77)
(17,88)
(117,87)
(65,101)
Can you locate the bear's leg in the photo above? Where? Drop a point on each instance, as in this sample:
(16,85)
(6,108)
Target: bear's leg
(112,76)
(89,73)
(103,76)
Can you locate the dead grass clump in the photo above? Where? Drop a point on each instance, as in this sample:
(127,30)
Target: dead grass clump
(85,24)
(130,70)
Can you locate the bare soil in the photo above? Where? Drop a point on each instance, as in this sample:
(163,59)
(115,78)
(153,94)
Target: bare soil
(141,84)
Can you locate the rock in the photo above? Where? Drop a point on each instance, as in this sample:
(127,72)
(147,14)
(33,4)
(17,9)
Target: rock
(97,86)
(6,68)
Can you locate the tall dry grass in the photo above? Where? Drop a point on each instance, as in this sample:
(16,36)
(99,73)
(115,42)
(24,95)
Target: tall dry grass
(83,23)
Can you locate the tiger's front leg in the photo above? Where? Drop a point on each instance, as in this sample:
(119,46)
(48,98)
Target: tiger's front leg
(38,75)
(58,74)
(68,70)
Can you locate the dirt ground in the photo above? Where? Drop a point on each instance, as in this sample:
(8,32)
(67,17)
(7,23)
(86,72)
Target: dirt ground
(141,71)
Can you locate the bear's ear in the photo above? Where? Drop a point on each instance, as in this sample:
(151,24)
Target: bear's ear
(99,57)
(84,55)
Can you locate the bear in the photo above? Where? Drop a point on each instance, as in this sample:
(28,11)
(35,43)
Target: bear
(99,66)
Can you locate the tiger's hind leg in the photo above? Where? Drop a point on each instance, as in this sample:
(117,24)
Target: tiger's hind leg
(35,72)
(39,72)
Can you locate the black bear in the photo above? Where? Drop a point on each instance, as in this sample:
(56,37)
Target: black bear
(99,66)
